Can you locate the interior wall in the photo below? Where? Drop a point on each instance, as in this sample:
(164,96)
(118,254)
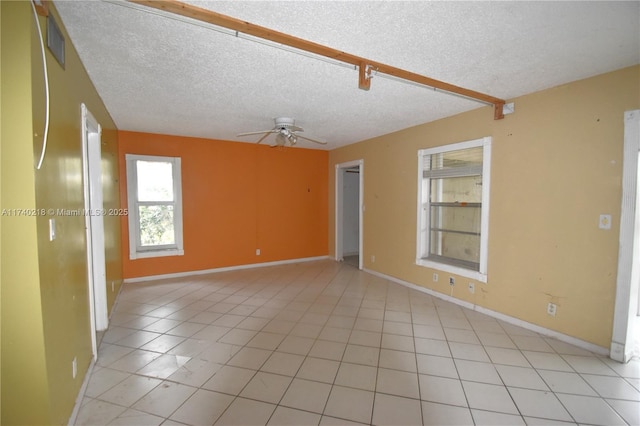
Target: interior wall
(237,198)
(556,166)
(47,323)
(351,213)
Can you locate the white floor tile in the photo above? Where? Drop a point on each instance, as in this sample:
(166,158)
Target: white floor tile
(96,412)
(393,410)
(612,387)
(521,377)
(475,371)
(442,390)
(565,382)
(628,410)
(229,380)
(540,404)
(289,417)
(445,415)
(590,410)
(138,418)
(350,404)
(337,346)
(283,363)
(400,383)
(491,418)
(307,395)
(244,412)
(127,392)
(397,360)
(319,370)
(266,387)
(489,397)
(164,399)
(202,408)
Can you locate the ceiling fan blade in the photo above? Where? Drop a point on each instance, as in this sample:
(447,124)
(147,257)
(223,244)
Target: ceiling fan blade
(256,133)
(312,140)
(263,137)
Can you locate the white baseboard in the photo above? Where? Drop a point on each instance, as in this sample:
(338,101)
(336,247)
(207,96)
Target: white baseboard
(223,269)
(500,316)
(80,397)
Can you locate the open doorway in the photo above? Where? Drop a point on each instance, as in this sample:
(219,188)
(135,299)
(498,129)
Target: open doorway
(94,221)
(625,341)
(349,202)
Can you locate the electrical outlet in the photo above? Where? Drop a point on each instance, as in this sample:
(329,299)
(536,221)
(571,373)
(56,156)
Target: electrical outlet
(74,367)
(113,286)
(551,309)
(472,288)
(452,281)
(435,277)
(373,258)
(257,252)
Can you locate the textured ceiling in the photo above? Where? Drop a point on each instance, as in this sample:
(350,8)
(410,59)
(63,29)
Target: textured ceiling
(163,74)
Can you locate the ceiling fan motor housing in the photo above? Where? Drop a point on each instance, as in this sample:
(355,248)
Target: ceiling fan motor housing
(284,122)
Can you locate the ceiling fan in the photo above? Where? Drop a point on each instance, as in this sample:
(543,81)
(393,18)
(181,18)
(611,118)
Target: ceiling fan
(285,130)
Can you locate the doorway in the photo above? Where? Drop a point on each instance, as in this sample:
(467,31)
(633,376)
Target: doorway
(94,222)
(349,212)
(625,341)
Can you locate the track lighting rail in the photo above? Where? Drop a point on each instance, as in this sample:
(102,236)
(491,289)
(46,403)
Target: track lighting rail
(365,66)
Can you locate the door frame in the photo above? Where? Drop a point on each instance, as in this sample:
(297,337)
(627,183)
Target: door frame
(626,319)
(93,202)
(339,211)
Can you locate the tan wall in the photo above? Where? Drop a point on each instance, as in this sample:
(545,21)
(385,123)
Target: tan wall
(556,166)
(44,283)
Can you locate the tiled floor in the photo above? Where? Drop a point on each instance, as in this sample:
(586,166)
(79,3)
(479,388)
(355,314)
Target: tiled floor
(323,343)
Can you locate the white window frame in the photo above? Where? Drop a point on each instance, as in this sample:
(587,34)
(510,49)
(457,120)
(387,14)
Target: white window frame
(422,240)
(136,251)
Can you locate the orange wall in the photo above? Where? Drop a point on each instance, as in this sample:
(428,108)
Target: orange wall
(237,197)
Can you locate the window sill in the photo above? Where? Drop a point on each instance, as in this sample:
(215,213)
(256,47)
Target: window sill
(463,272)
(156,253)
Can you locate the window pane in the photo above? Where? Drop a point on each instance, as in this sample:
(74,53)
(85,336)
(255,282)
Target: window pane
(460,247)
(462,158)
(155,181)
(156,225)
(456,219)
(466,189)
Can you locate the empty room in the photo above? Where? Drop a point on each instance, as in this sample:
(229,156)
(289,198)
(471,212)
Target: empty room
(320,212)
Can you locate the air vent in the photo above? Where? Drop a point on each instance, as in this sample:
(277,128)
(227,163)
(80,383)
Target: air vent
(55,40)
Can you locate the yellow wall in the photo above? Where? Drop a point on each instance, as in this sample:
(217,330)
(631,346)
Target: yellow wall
(45,315)
(556,166)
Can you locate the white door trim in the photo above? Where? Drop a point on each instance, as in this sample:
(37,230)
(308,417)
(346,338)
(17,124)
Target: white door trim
(626,322)
(339,210)
(94,223)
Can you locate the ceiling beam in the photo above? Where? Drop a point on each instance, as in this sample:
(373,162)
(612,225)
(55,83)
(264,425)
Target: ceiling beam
(366,66)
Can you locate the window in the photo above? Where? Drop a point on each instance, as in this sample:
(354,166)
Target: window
(453,208)
(155,206)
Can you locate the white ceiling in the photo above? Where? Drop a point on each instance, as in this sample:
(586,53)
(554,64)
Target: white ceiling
(162,74)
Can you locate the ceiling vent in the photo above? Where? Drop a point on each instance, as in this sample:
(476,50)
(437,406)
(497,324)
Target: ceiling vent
(55,40)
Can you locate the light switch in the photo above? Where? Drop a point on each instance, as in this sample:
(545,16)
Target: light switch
(605,221)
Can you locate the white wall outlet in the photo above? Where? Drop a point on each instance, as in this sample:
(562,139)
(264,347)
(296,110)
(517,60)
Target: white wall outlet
(435,277)
(52,229)
(373,258)
(472,288)
(551,309)
(605,221)
(452,281)
(257,252)
(74,367)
